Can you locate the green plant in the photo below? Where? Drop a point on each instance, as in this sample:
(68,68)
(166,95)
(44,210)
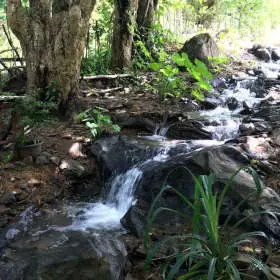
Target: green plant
(33,111)
(211,251)
(6,157)
(97,122)
(169,82)
(218,64)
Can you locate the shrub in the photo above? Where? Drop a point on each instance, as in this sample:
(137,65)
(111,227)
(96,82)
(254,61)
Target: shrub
(210,251)
(169,82)
(97,122)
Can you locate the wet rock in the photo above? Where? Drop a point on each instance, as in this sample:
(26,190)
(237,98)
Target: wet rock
(222,161)
(209,103)
(118,154)
(261,52)
(188,130)
(202,47)
(232,103)
(73,260)
(247,129)
(219,83)
(275,54)
(140,123)
(263,127)
(136,218)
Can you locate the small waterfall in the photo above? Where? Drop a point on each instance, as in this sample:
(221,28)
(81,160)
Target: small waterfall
(107,215)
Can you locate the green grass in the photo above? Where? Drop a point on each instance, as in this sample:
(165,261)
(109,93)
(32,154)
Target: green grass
(210,251)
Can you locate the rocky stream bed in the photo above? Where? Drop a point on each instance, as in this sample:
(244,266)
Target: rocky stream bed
(101,238)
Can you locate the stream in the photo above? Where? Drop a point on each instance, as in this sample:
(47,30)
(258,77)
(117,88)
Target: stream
(75,236)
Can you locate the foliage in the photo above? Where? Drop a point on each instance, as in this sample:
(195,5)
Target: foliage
(168,82)
(6,157)
(250,19)
(96,62)
(219,63)
(98,58)
(149,48)
(97,122)
(211,251)
(33,111)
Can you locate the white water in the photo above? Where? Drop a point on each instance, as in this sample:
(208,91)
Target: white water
(107,215)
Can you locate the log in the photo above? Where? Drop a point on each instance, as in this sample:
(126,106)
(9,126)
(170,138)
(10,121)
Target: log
(10,98)
(100,77)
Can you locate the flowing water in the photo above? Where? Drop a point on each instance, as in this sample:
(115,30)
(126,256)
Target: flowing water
(103,218)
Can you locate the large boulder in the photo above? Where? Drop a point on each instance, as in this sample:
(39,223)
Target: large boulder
(37,253)
(202,47)
(261,52)
(223,161)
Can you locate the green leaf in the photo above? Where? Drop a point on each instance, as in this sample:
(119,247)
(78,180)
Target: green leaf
(198,95)
(154,66)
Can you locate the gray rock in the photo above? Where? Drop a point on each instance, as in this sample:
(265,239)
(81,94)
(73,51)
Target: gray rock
(222,161)
(55,160)
(209,103)
(247,129)
(261,53)
(9,198)
(73,169)
(188,130)
(232,103)
(42,160)
(275,54)
(202,47)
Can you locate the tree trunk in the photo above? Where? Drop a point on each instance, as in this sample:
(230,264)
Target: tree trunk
(52,34)
(124,24)
(145,14)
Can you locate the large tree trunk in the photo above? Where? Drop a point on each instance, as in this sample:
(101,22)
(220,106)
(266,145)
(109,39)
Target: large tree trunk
(124,24)
(52,34)
(145,14)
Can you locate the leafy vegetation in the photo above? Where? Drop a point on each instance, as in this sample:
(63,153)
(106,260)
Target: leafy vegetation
(211,251)
(169,82)
(97,122)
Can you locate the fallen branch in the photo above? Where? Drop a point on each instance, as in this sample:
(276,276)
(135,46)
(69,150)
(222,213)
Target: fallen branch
(10,41)
(101,91)
(10,98)
(100,77)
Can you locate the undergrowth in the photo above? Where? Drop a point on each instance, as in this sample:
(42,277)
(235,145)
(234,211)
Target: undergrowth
(211,251)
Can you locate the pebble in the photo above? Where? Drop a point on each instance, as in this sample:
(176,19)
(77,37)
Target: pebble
(55,160)
(33,182)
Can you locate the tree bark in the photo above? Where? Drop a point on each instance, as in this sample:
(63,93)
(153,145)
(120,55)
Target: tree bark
(124,25)
(52,34)
(145,14)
